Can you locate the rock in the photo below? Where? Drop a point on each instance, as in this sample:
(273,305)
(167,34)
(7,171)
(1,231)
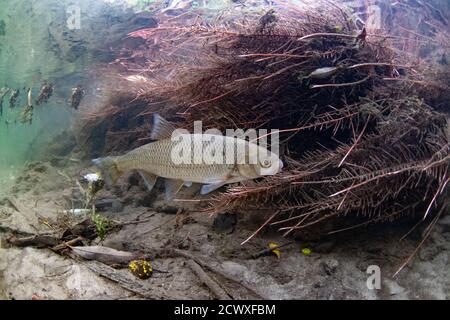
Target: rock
(234,269)
(147,200)
(393,288)
(167,208)
(115,205)
(184,244)
(130,195)
(50,276)
(38,167)
(225,223)
(330,266)
(133,180)
(85,229)
(208,249)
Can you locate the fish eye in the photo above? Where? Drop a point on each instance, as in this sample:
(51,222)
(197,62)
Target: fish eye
(266,163)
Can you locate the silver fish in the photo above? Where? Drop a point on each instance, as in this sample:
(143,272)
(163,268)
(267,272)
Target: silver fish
(323,73)
(223,160)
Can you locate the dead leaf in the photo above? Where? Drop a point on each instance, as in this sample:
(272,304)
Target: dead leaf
(275,249)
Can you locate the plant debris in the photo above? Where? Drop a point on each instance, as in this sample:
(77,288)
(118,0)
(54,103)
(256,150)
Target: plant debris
(361,133)
(142,269)
(103,254)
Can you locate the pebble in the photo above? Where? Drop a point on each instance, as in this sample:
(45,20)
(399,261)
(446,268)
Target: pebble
(224,223)
(330,266)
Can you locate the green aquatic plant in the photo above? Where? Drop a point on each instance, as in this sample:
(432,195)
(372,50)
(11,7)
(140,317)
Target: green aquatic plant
(102,225)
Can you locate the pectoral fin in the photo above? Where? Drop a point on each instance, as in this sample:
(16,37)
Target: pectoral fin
(207,188)
(172,188)
(216,183)
(149,179)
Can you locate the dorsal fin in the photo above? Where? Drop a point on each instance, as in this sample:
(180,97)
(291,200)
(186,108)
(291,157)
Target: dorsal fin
(161,129)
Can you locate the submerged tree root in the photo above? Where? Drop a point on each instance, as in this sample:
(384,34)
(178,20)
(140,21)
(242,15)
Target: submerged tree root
(357,145)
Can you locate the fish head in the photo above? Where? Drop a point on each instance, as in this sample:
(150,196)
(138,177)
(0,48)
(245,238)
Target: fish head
(268,164)
(261,162)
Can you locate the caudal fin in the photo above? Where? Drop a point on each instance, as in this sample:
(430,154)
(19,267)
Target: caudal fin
(109,169)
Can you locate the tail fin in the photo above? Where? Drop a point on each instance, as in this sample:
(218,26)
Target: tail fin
(109,169)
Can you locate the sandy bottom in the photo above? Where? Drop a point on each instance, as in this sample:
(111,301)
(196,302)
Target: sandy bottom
(332,267)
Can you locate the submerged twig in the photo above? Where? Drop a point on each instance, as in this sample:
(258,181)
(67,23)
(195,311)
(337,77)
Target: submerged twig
(218,291)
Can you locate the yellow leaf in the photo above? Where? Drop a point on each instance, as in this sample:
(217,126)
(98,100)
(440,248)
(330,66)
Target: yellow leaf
(275,251)
(306,251)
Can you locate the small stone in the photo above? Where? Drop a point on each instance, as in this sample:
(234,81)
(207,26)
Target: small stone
(234,269)
(184,245)
(225,223)
(133,180)
(112,204)
(330,266)
(117,206)
(393,287)
(147,200)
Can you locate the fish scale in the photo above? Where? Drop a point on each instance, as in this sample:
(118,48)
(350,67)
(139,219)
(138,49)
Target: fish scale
(155,158)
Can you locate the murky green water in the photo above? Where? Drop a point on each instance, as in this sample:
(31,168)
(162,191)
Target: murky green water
(60,41)
(39,41)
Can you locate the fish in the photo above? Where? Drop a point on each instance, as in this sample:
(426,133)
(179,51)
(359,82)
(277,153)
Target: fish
(323,73)
(3,93)
(161,158)
(27,112)
(45,94)
(176,6)
(137,78)
(267,21)
(78,94)
(13,98)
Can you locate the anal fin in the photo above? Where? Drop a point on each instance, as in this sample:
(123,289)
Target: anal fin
(149,179)
(172,188)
